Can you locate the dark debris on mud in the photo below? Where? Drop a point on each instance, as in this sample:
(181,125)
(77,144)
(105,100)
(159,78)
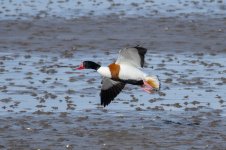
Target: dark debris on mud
(103,130)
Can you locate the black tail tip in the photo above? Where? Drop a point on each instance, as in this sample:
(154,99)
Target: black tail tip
(159,82)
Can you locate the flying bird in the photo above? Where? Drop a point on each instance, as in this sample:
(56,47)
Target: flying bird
(125,70)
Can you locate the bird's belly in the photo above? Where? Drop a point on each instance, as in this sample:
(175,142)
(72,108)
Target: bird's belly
(130,73)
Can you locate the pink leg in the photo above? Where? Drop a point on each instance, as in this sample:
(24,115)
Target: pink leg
(147,90)
(147,85)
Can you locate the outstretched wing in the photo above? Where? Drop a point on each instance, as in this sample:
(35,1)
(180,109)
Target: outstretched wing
(109,90)
(132,56)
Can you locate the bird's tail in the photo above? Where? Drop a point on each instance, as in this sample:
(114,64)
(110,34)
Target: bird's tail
(153,81)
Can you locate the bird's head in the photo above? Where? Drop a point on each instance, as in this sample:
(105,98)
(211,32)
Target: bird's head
(88,65)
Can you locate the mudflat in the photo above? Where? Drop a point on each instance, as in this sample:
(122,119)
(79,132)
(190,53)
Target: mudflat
(46,104)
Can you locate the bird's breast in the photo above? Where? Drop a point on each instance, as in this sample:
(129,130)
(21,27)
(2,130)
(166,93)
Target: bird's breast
(104,71)
(114,69)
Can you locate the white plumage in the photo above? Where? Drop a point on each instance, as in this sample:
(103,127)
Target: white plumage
(130,72)
(104,71)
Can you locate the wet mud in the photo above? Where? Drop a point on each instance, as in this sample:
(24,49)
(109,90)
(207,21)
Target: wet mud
(46,104)
(113,130)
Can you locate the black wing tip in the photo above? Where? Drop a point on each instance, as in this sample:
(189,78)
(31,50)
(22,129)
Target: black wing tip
(107,96)
(105,101)
(104,104)
(141,49)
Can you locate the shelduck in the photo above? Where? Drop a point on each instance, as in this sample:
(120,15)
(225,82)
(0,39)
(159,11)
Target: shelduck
(126,70)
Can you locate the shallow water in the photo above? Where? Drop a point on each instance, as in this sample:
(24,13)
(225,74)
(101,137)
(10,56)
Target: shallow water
(113,130)
(42,82)
(52,106)
(24,9)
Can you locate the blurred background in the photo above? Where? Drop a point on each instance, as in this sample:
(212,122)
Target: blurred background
(69,9)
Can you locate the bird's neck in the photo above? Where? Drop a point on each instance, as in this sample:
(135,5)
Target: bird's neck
(96,67)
